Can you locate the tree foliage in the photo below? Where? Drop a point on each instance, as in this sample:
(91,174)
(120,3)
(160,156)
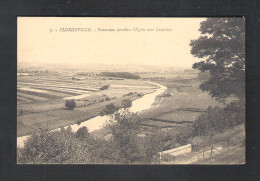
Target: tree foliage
(45,147)
(217,119)
(130,141)
(82,133)
(126,103)
(126,75)
(222,48)
(70,104)
(125,128)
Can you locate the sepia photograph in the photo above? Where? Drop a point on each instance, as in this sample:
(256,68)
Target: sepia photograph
(150,91)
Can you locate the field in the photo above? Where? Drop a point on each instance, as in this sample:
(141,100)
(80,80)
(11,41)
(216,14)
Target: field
(41,99)
(180,104)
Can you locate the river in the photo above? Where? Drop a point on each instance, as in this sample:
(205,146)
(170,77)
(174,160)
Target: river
(138,105)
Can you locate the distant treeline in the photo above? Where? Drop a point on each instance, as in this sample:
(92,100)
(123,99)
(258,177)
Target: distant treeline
(126,75)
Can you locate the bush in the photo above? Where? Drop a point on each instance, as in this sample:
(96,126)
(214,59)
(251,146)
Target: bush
(108,99)
(140,95)
(167,157)
(82,133)
(20,112)
(166,95)
(126,103)
(109,109)
(70,104)
(105,87)
(128,94)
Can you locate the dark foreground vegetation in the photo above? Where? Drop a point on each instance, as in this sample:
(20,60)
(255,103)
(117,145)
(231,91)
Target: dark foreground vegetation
(128,142)
(126,75)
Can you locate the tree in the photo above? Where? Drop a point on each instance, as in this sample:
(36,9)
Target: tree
(126,103)
(54,147)
(82,133)
(70,104)
(125,127)
(222,48)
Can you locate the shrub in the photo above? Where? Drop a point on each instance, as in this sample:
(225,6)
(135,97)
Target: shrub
(21,112)
(108,99)
(109,109)
(140,95)
(128,94)
(126,103)
(82,133)
(167,157)
(166,95)
(105,87)
(70,104)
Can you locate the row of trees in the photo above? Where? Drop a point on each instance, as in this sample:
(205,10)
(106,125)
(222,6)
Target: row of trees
(217,119)
(126,75)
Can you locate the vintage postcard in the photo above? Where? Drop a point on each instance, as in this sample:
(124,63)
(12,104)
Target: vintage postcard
(130,90)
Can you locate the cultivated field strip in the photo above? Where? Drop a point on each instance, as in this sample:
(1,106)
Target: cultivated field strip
(58,88)
(53,92)
(60,93)
(63,82)
(48,96)
(71,84)
(22,100)
(31,97)
(31,89)
(65,86)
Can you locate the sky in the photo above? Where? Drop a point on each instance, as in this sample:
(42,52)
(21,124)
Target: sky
(38,41)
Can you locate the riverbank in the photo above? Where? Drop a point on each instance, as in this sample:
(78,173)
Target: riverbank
(96,122)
